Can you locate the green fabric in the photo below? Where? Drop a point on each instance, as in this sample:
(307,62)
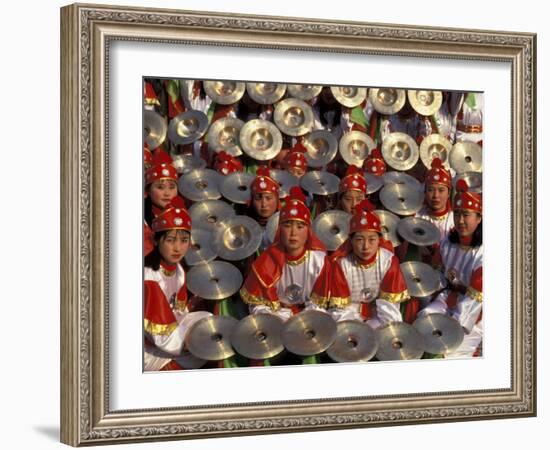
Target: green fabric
(358,116)
(470,100)
(314,359)
(432,356)
(173,90)
(267,362)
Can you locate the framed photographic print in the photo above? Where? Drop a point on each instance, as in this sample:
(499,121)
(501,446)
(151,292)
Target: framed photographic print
(274,224)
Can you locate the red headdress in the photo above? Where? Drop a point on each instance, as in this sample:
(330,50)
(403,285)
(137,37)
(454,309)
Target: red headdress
(162,168)
(296,159)
(375,163)
(174,217)
(263,182)
(226,164)
(465,199)
(147,157)
(438,174)
(353,180)
(295,207)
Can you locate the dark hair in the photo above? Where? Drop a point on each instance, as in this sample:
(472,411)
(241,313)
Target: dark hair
(477,236)
(154,258)
(148,210)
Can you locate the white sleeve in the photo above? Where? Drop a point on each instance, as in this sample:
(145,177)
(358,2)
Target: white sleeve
(283,313)
(350,312)
(438,305)
(467,312)
(388,312)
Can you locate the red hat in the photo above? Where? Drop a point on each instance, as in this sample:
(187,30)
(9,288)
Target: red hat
(465,199)
(147,156)
(226,164)
(162,168)
(364,219)
(438,174)
(150,95)
(263,182)
(296,159)
(174,217)
(353,180)
(295,207)
(374,163)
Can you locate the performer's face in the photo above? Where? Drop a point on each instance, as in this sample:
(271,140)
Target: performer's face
(466,222)
(350,199)
(436,197)
(365,244)
(265,204)
(162,191)
(297,171)
(174,245)
(294,236)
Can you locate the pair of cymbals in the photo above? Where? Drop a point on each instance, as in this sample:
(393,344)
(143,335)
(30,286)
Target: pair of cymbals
(400,151)
(266,93)
(304,91)
(425,103)
(332,228)
(200,250)
(355,341)
(387,100)
(435,146)
(258,336)
(236,187)
(187,127)
(355,146)
(418,231)
(466,157)
(215,280)
(293,117)
(223,135)
(349,96)
(224,92)
(441,334)
(309,332)
(321,148)
(210,338)
(237,238)
(474,180)
(154,129)
(260,139)
(403,179)
(186,162)
(399,341)
(285,179)
(388,224)
(374,182)
(400,199)
(320,182)
(209,214)
(200,184)
(422,280)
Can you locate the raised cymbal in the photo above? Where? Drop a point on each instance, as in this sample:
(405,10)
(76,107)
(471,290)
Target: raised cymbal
(186,162)
(421,279)
(215,280)
(466,157)
(187,127)
(260,139)
(398,341)
(349,96)
(309,332)
(388,223)
(293,117)
(189,361)
(210,338)
(237,238)
(401,199)
(442,334)
(258,336)
(332,227)
(304,91)
(285,179)
(418,231)
(400,151)
(387,100)
(200,250)
(266,93)
(208,214)
(355,146)
(474,180)
(425,103)
(271,226)
(235,187)
(223,135)
(402,179)
(374,182)
(200,184)
(154,129)
(435,146)
(321,146)
(320,182)
(224,92)
(355,341)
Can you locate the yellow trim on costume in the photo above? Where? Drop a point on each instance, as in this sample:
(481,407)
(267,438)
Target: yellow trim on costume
(262,281)
(475,294)
(323,302)
(298,261)
(440,218)
(166,272)
(359,264)
(181,305)
(151,101)
(339,302)
(158,329)
(254,300)
(396,297)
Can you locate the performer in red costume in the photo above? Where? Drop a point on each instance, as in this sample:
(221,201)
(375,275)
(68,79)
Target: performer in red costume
(352,189)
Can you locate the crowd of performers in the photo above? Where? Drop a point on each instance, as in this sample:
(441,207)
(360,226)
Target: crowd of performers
(362,279)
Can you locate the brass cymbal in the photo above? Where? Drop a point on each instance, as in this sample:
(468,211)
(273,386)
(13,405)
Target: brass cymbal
(355,146)
(401,199)
(187,127)
(388,224)
(320,183)
(374,182)
(400,151)
(355,341)
(466,157)
(425,103)
(235,187)
(237,238)
(208,214)
(442,334)
(418,231)
(435,146)
(200,250)
(258,336)
(223,135)
(398,341)
(309,332)
(186,162)
(154,129)
(210,338)
(421,279)
(215,280)
(349,96)
(189,361)
(266,93)
(260,139)
(332,228)
(285,179)
(474,180)
(271,226)
(200,184)
(224,92)
(387,100)
(304,91)
(293,117)
(321,146)
(403,179)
